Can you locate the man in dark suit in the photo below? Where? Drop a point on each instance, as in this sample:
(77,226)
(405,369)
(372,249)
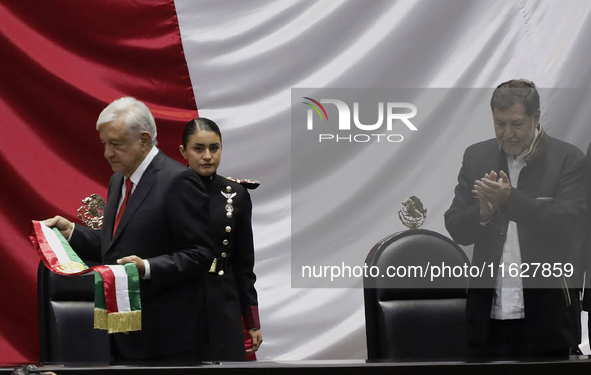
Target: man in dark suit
(587,239)
(156,217)
(520,200)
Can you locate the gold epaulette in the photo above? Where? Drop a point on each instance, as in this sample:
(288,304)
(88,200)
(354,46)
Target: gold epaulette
(247,183)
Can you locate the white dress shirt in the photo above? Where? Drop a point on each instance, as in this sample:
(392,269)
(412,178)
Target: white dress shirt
(508,298)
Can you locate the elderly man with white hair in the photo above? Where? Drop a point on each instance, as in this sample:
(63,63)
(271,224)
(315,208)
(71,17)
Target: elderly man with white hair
(156,217)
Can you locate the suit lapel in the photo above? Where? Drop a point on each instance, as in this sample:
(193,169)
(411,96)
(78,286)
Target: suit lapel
(138,196)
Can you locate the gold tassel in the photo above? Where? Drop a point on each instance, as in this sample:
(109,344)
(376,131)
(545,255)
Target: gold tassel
(100,318)
(135,320)
(125,321)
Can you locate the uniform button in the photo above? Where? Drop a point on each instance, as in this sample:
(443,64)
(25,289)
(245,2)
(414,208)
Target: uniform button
(221,273)
(225,242)
(229,215)
(223,255)
(228,229)
(502,232)
(228,189)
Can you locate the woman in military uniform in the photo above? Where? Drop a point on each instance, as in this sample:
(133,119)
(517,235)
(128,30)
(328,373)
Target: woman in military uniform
(231,278)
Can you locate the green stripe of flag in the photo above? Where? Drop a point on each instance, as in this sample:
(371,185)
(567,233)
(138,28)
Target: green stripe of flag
(133,281)
(69,251)
(99,292)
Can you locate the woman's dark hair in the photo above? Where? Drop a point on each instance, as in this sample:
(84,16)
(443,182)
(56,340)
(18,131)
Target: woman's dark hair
(200,123)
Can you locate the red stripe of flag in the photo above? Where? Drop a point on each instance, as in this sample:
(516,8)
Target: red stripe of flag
(47,255)
(109,287)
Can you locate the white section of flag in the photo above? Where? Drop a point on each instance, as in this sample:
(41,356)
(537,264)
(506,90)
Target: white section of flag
(55,244)
(122,289)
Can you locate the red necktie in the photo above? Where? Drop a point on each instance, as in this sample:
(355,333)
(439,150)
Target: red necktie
(128,186)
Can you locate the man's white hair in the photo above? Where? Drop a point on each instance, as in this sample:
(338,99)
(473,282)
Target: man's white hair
(135,115)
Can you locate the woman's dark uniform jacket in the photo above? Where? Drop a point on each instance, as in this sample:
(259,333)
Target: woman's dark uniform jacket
(231,278)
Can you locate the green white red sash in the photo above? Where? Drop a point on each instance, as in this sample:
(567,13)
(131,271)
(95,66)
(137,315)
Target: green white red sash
(117,305)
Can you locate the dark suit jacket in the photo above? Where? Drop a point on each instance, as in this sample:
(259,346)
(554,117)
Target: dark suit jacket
(547,205)
(587,237)
(166,221)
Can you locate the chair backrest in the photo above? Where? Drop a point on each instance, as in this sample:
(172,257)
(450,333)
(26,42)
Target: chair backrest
(66,320)
(415,316)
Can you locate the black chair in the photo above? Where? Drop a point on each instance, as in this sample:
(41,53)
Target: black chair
(66,320)
(414,318)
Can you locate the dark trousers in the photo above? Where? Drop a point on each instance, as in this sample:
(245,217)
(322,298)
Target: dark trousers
(507,340)
(180,359)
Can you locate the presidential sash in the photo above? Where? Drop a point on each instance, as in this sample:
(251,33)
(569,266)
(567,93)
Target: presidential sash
(117,305)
